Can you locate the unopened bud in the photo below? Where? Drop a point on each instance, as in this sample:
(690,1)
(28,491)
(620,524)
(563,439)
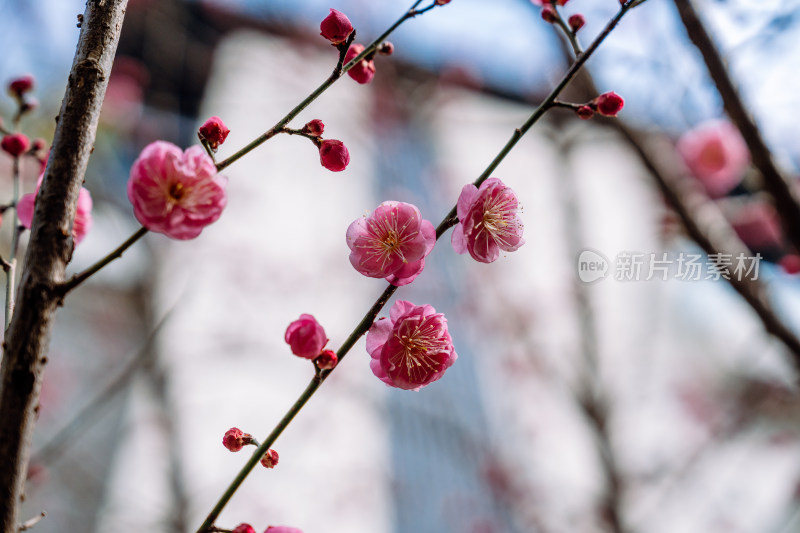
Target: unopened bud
(235,439)
(549,13)
(15,144)
(243,528)
(584,112)
(19,86)
(270,459)
(609,104)
(214,132)
(336,27)
(326,360)
(386,48)
(576,22)
(315,128)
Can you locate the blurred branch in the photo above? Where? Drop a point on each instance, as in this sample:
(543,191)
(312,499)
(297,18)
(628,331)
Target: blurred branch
(775,184)
(50,248)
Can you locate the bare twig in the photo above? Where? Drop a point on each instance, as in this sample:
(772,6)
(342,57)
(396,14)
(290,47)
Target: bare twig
(775,184)
(50,248)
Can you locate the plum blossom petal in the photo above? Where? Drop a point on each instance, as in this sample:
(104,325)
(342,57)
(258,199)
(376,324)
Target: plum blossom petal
(174,192)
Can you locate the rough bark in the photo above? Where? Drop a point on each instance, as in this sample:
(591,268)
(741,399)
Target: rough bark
(50,248)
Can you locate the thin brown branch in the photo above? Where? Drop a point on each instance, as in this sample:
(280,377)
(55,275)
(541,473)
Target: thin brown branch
(50,248)
(775,184)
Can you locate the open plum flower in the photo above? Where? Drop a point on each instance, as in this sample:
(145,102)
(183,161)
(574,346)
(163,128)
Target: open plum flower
(412,348)
(716,155)
(391,243)
(174,192)
(487,221)
(83,215)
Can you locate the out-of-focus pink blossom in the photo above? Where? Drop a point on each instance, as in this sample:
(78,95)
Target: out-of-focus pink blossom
(716,155)
(333,155)
(15,144)
(391,243)
(243,528)
(488,221)
(336,27)
(790,263)
(270,459)
(19,86)
(174,192)
(442,2)
(609,104)
(214,131)
(83,215)
(549,13)
(282,529)
(364,70)
(412,348)
(758,225)
(306,337)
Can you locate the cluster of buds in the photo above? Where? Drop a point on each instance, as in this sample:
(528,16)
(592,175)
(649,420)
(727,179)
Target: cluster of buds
(607,104)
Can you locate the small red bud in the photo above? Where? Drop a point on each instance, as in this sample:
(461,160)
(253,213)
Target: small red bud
(38,145)
(314,128)
(214,132)
(442,2)
(235,439)
(576,22)
(19,86)
(243,528)
(270,459)
(15,144)
(326,360)
(790,263)
(333,155)
(549,13)
(386,48)
(336,27)
(364,70)
(609,104)
(585,112)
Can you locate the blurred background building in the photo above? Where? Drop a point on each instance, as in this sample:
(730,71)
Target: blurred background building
(169,347)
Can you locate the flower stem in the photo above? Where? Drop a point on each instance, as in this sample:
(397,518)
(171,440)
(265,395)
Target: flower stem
(369,317)
(337,73)
(77,279)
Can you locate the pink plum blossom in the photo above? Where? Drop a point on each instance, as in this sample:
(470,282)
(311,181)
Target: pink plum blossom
(306,337)
(716,155)
(175,193)
(412,348)
(488,221)
(391,243)
(83,215)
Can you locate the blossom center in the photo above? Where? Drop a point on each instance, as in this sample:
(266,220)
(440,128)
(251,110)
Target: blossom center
(177,191)
(418,350)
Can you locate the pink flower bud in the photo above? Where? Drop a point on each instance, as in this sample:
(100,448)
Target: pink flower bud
(315,128)
(235,439)
(270,459)
(576,22)
(543,2)
(790,263)
(386,48)
(15,144)
(243,528)
(282,529)
(333,155)
(336,27)
(326,360)
(364,70)
(19,86)
(609,104)
(306,337)
(584,112)
(174,192)
(442,2)
(214,132)
(549,13)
